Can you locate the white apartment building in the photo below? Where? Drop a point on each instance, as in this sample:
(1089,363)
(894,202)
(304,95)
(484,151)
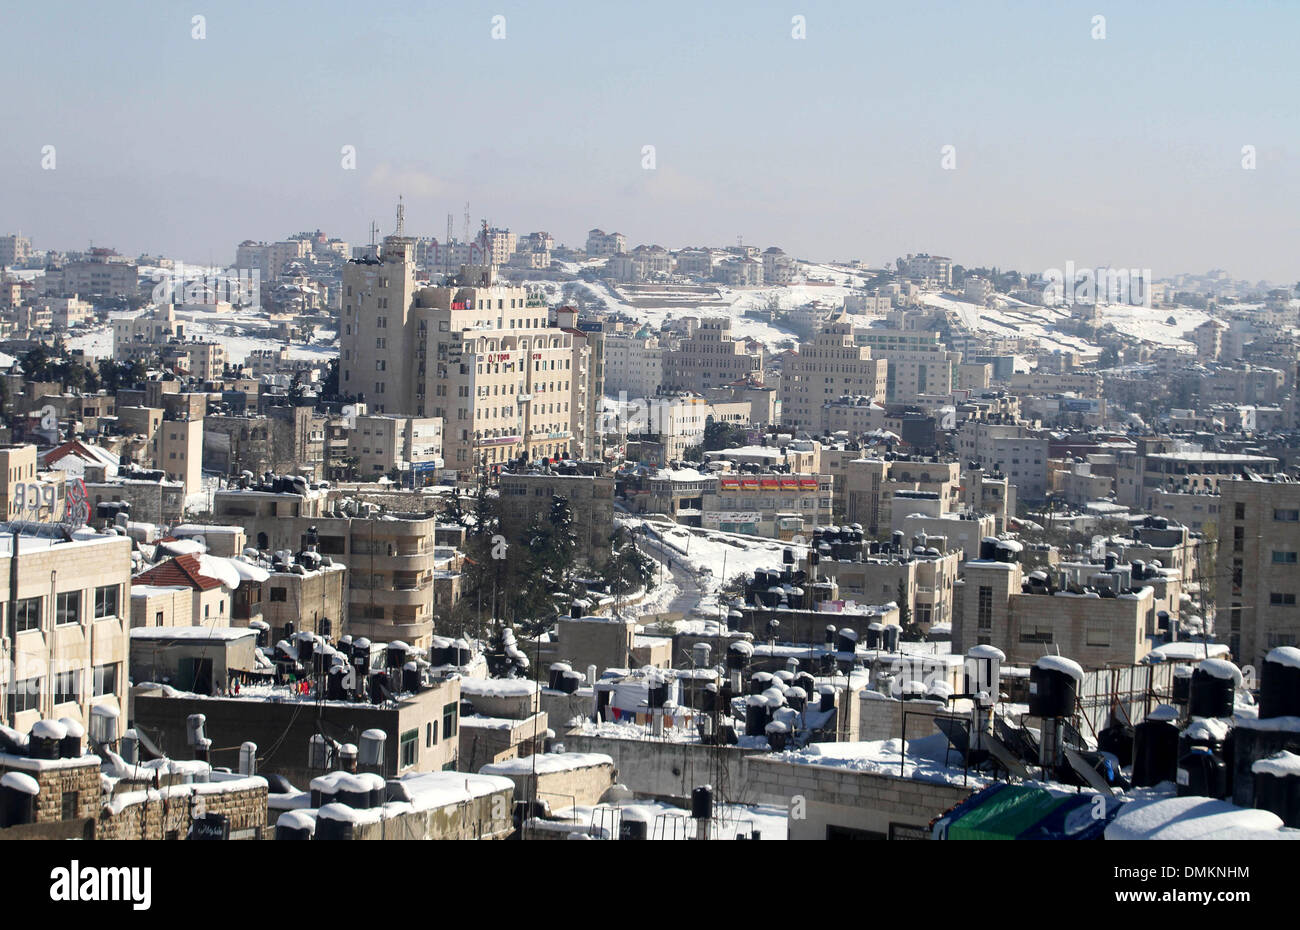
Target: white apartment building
(601,244)
(827,368)
(384,443)
(481,356)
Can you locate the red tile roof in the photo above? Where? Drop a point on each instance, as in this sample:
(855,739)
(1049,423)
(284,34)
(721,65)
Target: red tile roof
(183,570)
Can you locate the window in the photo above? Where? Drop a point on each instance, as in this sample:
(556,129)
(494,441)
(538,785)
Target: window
(25,695)
(985,617)
(70,801)
(279,594)
(27,614)
(449,713)
(410,745)
(105,679)
(430,733)
(1284,558)
(1281,600)
(1098,635)
(1287,516)
(106,601)
(1239,511)
(67,687)
(67,608)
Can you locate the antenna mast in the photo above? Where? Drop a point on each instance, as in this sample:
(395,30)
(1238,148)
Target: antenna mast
(401,216)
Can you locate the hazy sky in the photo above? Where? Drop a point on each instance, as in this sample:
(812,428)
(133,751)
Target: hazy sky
(1123,151)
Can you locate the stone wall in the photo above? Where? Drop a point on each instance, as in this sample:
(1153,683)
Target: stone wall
(57,777)
(488,817)
(167,814)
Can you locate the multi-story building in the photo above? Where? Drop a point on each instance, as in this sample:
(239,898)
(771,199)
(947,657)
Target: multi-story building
(482,356)
(919,365)
(996,607)
(285,439)
(103,273)
(634,363)
(1017,451)
(740,272)
(63,643)
(389,557)
(525,495)
(1156,464)
(384,443)
(1255,581)
(601,244)
(778,268)
(779,506)
(933,268)
(14,250)
(710,357)
(827,368)
(141,335)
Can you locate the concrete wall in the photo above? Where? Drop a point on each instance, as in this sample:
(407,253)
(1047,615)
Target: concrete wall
(845,798)
(672,770)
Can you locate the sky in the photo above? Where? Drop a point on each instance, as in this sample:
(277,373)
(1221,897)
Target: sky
(1124,151)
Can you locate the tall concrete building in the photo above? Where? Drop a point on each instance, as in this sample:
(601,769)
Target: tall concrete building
(1255,582)
(710,357)
(482,356)
(827,368)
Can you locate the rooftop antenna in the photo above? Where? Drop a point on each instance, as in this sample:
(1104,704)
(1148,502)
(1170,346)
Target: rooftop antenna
(374,232)
(401,216)
(467,221)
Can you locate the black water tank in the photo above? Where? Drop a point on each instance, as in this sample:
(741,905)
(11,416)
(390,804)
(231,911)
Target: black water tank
(1155,752)
(873,635)
(328,829)
(827,699)
(395,655)
(1277,787)
(334,684)
(755,715)
(1279,686)
(827,662)
(1052,692)
(889,638)
(846,640)
(1117,739)
(1211,694)
(305,649)
(1202,774)
(709,699)
(571,681)
(284,831)
(632,828)
(702,802)
(411,678)
(17,802)
(760,682)
(830,634)
(657,693)
(1182,685)
(738,655)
